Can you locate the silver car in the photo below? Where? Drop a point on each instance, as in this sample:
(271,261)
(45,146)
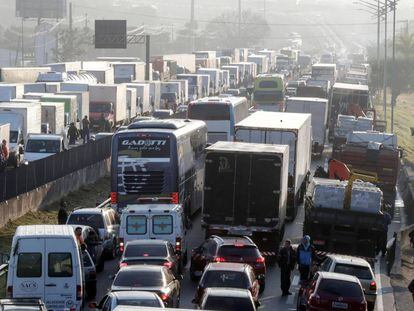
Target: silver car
(128,298)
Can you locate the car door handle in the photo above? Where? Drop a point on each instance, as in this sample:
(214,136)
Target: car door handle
(50,285)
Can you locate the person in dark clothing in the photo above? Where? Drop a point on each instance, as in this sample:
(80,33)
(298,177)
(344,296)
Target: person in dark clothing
(384,234)
(411,288)
(287,262)
(73,134)
(305,256)
(85,130)
(62,214)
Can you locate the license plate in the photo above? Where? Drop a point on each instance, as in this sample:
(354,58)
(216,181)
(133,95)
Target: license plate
(340,305)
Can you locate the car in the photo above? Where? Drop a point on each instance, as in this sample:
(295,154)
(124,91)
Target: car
(157,279)
(355,266)
(93,245)
(89,274)
(105,221)
(228,249)
(228,275)
(331,291)
(227,299)
(22,304)
(128,298)
(154,252)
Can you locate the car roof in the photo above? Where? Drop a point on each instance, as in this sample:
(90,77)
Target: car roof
(227,266)
(349,260)
(229,240)
(90,210)
(227,292)
(137,268)
(44,230)
(339,277)
(134,294)
(136,208)
(147,242)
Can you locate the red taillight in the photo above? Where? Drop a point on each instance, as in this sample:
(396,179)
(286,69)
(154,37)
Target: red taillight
(164,297)
(219,259)
(123,264)
(178,244)
(260,260)
(168,264)
(114,197)
(79,292)
(373,285)
(174,198)
(121,245)
(9,291)
(238,245)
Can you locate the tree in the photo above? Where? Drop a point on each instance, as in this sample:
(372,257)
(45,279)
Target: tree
(405,44)
(72,45)
(224,32)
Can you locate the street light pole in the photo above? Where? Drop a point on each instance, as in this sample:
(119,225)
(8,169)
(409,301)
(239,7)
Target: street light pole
(378,45)
(385,61)
(394,69)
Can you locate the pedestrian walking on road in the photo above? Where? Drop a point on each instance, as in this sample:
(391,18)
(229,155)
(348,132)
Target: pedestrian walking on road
(305,256)
(86,129)
(73,134)
(287,260)
(62,214)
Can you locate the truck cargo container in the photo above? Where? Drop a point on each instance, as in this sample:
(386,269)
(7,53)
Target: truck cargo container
(24,118)
(108,101)
(144,107)
(82,100)
(69,67)
(352,230)
(225,60)
(53,114)
(282,62)
(318,108)
(311,91)
(52,87)
(245,192)
(103,75)
(234,75)
(184,89)
(186,61)
(11,91)
(127,72)
(224,80)
(205,82)
(324,72)
(21,74)
(293,129)
(231,54)
(74,87)
(214,74)
(155,94)
(195,86)
(206,59)
(131,103)
(4,131)
(170,95)
(37,87)
(271,58)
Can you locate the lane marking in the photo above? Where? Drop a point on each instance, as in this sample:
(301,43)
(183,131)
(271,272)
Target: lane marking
(295,281)
(291,298)
(379,301)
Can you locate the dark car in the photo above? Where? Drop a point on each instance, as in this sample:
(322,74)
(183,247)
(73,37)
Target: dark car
(157,279)
(153,252)
(228,275)
(227,299)
(228,249)
(94,245)
(332,291)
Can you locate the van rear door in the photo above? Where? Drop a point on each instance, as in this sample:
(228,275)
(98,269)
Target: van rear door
(136,227)
(161,226)
(28,276)
(61,274)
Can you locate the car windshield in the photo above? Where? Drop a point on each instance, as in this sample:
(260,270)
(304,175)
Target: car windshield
(43,146)
(92,220)
(145,251)
(231,279)
(228,304)
(139,302)
(360,272)
(128,278)
(340,288)
(238,252)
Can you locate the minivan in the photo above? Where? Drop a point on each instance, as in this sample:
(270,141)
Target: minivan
(45,263)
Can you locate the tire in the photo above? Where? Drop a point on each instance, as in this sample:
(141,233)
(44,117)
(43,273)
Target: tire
(91,290)
(100,267)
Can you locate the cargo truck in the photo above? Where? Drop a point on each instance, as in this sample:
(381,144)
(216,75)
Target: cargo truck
(21,74)
(125,72)
(205,85)
(103,75)
(170,95)
(24,118)
(214,74)
(245,192)
(82,99)
(184,89)
(53,116)
(10,91)
(107,101)
(195,86)
(282,128)
(131,103)
(144,107)
(318,108)
(155,94)
(344,217)
(260,61)
(234,75)
(71,105)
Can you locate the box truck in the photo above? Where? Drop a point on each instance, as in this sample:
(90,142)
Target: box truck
(10,91)
(82,99)
(21,74)
(131,103)
(214,74)
(195,87)
(53,117)
(143,97)
(282,128)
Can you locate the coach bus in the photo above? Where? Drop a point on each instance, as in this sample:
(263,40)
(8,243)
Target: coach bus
(220,114)
(269,92)
(159,158)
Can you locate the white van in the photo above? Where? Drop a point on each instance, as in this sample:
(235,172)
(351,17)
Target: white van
(45,263)
(40,146)
(155,221)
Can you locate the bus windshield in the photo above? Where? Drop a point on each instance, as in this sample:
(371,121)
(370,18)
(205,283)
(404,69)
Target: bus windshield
(268,96)
(136,147)
(209,112)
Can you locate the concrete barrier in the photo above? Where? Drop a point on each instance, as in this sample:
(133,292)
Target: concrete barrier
(49,193)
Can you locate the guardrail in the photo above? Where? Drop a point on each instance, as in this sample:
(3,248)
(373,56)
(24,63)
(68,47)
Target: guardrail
(38,173)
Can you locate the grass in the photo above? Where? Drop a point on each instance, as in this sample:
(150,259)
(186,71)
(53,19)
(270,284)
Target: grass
(403,120)
(86,196)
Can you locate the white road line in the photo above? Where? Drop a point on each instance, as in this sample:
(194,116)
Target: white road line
(291,299)
(379,302)
(295,281)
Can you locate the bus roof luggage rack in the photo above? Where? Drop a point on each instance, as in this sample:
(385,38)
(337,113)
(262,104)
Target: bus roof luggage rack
(158,124)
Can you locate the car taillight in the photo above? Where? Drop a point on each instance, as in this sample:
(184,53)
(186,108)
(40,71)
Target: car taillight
(79,292)
(315,299)
(123,264)
(219,259)
(10,292)
(114,197)
(373,285)
(238,245)
(168,264)
(121,245)
(178,244)
(164,297)
(260,260)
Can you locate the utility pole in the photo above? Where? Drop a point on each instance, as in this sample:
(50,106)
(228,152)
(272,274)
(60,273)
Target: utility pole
(385,61)
(147,57)
(192,26)
(394,69)
(22,42)
(378,47)
(71,36)
(240,19)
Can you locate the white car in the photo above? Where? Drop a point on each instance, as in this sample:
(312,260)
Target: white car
(39,146)
(128,298)
(357,267)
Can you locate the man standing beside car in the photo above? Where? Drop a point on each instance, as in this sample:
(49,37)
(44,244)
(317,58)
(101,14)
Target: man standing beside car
(305,254)
(286,263)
